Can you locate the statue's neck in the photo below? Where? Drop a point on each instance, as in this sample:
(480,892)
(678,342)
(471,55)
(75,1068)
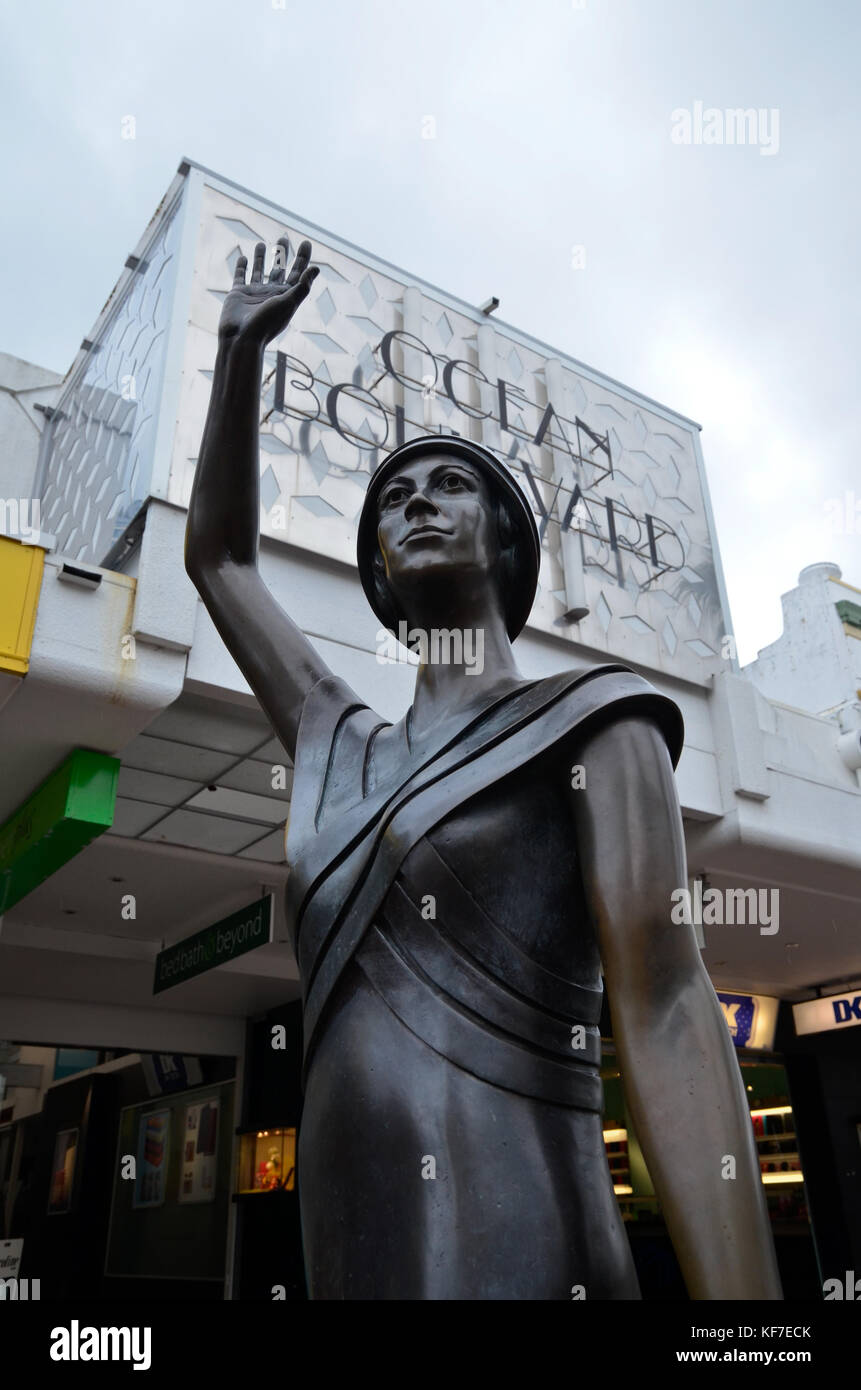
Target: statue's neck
(461,670)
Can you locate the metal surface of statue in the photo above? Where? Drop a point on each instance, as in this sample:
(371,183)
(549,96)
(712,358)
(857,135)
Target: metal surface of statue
(460,881)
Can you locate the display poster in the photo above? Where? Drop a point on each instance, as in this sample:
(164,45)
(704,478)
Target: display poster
(10,1257)
(63,1171)
(152,1159)
(197,1183)
(157,1231)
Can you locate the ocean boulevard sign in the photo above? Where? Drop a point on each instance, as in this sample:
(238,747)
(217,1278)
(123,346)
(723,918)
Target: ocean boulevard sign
(573,501)
(240,932)
(629,564)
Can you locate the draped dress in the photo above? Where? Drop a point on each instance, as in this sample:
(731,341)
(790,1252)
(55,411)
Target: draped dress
(451,1140)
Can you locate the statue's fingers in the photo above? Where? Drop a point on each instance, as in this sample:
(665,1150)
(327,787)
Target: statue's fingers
(308,277)
(303,256)
(239,272)
(257,266)
(279,264)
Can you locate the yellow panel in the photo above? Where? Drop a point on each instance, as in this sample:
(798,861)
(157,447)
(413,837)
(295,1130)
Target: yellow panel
(20,581)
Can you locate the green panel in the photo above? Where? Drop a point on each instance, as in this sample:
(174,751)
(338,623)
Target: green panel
(68,811)
(93,788)
(849,612)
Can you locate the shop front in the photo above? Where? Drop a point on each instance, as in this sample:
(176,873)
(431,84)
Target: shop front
(752,1021)
(120,1186)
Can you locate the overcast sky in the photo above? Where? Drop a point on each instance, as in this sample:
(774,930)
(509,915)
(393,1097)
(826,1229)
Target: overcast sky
(720,279)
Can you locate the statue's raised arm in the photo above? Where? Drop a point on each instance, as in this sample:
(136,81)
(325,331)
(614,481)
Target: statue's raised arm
(276,658)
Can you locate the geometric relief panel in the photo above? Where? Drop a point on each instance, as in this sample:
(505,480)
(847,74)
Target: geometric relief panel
(102,433)
(628,565)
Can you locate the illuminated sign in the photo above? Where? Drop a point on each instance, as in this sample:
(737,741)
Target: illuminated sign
(828,1014)
(751,1019)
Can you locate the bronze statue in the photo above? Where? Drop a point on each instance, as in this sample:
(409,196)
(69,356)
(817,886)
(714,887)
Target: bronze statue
(460,881)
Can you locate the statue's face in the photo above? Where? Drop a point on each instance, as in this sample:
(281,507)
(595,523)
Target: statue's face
(436,519)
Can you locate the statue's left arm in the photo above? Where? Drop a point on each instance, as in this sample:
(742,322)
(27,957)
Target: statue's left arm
(682,1080)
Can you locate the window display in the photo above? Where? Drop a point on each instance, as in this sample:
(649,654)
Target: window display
(197,1183)
(776,1141)
(267,1161)
(771,1116)
(63,1171)
(151,1165)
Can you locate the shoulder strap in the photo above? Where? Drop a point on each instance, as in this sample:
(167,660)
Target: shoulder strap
(349,869)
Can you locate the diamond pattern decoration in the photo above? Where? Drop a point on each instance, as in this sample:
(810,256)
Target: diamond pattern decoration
(241,229)
(368,366)
(444,329)
(604,615)
(669,635)
(271,444)
(326,306)
(330,273)
(103,432)
(367,326)
(323,343)
(636,624)
(319,461)
(269,489)
(368,293)
(643,458)
(319,506)
(578,396)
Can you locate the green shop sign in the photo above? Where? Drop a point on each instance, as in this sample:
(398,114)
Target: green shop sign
(240,932)
(70,809)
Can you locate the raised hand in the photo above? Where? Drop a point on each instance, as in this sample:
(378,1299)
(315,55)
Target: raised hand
(258,311)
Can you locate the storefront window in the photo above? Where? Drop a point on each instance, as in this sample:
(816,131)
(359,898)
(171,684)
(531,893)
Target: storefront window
(267,1161)
(776,1141)
(773,1125)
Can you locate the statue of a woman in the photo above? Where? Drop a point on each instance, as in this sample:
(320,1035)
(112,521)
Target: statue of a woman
(459,883)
